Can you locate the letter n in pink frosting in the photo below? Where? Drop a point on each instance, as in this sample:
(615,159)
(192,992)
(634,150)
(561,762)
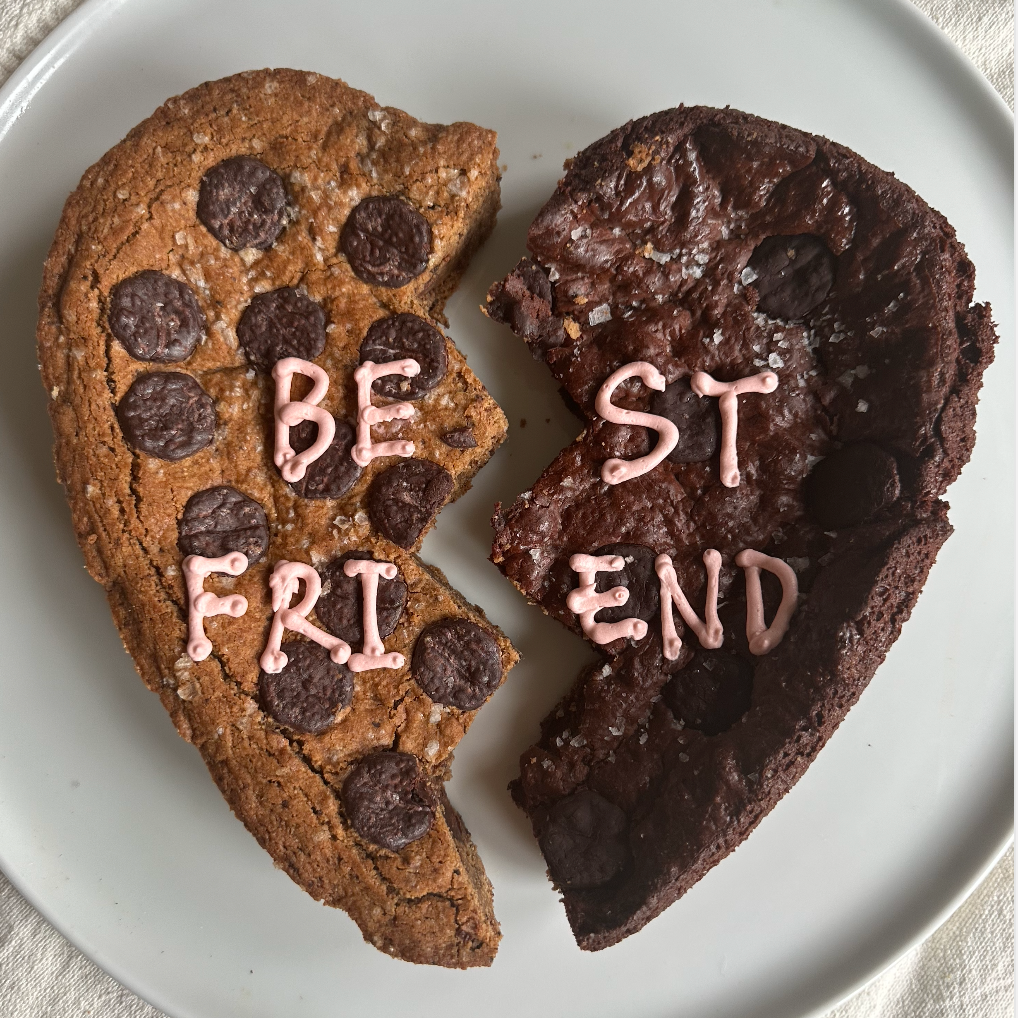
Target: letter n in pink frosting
(709,631)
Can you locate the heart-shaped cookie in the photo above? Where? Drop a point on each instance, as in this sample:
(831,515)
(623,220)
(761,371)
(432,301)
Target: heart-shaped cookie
(774,350)
(257,417)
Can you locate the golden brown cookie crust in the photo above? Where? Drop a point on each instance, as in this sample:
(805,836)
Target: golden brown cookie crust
(134,210)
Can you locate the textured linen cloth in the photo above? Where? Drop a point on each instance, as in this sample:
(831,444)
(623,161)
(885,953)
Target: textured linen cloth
(964,970)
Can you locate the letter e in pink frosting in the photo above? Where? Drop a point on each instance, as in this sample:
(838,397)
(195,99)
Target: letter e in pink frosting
(586,602)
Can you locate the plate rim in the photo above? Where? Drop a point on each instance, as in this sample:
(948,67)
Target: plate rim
(16,97)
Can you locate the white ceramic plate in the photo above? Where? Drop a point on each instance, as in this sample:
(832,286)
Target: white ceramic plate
(109,822)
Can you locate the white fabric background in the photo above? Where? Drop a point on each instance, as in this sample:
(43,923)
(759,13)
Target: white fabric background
(964,970)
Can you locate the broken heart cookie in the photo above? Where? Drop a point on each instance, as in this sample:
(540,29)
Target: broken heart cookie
(776,355)
(252,398)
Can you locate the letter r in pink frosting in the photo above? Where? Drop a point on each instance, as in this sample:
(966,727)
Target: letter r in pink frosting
(586,602)
(728,403)
(202,603)
(284,583)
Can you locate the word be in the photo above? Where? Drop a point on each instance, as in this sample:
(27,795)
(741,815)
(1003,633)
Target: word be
(293,465)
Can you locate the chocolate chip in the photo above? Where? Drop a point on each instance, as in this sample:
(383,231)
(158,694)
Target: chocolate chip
(341,607)
(403,500)
(793,275)
(851,485)
(712,692)
(400,336)
(388,800)
(281,323)
(167,414)
(155,317)
(242,203)
(386,241)
(334,473)
(460,438)
(638,575)
(220,520)
(696,417)
(584,840)
(457,663)
(309,691)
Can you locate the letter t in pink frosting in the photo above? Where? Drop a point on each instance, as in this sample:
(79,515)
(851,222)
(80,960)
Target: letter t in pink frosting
(728,402)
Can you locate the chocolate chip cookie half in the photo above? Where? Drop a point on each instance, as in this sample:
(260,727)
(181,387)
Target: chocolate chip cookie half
(252,395)
(775,350)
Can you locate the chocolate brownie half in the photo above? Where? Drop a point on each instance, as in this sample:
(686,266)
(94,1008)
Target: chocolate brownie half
(251,393)
(775,352)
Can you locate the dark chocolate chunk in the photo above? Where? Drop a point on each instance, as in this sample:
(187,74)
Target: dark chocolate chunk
(584,840)
(851,485)
(307,694)
(457,663)
(281,323)
(386,241)
(400,336)
(167,414)
(638,576)
(155,317)
(696,417)
(341,607)
(242,203)
(460,438)
(221,520)
(712,692)
(388,800)
(403,500)
(334,473)
(793,275)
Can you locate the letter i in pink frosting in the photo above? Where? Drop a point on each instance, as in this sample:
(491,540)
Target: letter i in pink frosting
(763,638)
(709,632)
(586,602)
(728,403)
(374,655)
(284,584)
(364,450)
(202,603)
(293,465)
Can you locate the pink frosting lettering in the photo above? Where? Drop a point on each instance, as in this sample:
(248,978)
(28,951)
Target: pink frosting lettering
(586,602)
(202,603)
(364,450)
(709,632)
(763,638)
(615,471)
(293,465)
(284,584)
(728,392)
(374,655)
